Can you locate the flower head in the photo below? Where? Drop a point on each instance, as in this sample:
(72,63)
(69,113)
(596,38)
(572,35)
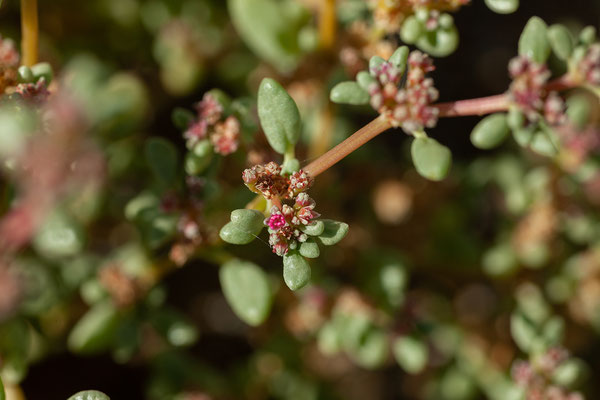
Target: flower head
(409,106)
(527,88)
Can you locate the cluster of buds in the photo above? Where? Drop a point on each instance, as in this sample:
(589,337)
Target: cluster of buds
(268,181)
(408,106)
(589,66)
(390,14)
(536,377)
(211,123)
(527,88)
(292,208)
(285,224)
(9,62)
(34,93)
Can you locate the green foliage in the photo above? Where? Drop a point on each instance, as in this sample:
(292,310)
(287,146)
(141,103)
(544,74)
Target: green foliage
(162,159)
(431,159)
(410,353)
(333,232)
(96,330)
(243,227)
(296,270)
(279,116)
(89,395)
(503,6)
(490,131)
(349,93)
(533,42)
(247,290)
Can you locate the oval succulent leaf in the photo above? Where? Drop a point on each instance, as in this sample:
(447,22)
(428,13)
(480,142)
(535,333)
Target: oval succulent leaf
(533,42)
(279,115)
(248,220)
(231,233)
(364,80)
(95,331)
(490,131)
(309,249)
(161,157)
(503,6)
(315,228)
(89,395)
(410,353)
(296,270)
(375,62)
(412,29)
(247,290)
(42,70)
(333,232)
(269,30)
(431,159)
(349,93)
(439,43)
(561,41)
(400,58)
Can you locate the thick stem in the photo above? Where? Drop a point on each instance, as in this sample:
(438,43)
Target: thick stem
(360,137)
(327,24)
(29,31)
(484,105)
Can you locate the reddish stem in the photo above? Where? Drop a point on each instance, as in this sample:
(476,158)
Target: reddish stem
(360,137)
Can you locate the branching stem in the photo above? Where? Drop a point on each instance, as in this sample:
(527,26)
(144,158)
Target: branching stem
(29,31)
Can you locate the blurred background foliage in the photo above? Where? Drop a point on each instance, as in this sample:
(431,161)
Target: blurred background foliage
(436,293)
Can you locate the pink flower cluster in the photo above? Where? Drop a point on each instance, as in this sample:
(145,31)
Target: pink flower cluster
(527,88)
(224,133)
(34,93)
(409,106)
(589,66)
(9,56)
(268,181)
(285,224)
(292,208)
(536,377)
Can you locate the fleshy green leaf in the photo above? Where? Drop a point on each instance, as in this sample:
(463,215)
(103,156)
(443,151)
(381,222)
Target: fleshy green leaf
(247,290)
(42,70)
(244,226)
(364,80)
(24,74)
(412,29)
(375,62)
(198,159)
(182,118)
(270,28)
(411,354)
(309,249)
(400,58)
(431,159)
(533,42)
(372,350)
(279,116)
(333,232)
(490,131)
(296,270)
(522,331)
(569,373)
(231,233)
(315,228)
(60,235)
(248,220)
(349,92)
(95,331)
(542,144)
(503,6)
(578,110)
(440,42)
(161,157)
(89,395)
(561,41)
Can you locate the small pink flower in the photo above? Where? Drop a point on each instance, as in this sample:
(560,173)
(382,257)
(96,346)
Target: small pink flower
(209,109)
(196,132)
(276,221)
(225,138)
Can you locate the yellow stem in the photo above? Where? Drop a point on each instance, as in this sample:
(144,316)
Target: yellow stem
(29,30)
(327,24)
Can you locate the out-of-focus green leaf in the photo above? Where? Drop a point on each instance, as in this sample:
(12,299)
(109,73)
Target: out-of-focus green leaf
(247,290)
